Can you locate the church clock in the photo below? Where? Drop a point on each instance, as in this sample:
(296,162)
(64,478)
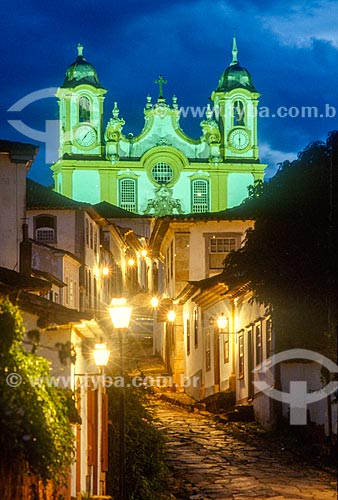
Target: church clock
(239,139)
(85,136)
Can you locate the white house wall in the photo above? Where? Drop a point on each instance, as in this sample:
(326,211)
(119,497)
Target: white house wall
(198,259)
(12,210)
(309,372)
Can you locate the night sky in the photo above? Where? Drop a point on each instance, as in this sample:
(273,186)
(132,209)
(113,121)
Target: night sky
(290,49)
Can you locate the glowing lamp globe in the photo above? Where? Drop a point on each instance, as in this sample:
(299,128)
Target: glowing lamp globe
(101,354)
(154,302)
(120,313)
(222,322)
(171,316)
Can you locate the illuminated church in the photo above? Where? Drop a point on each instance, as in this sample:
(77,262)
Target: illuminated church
(162,170)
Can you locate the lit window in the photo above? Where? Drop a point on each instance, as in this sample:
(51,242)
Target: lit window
(162,173)
(128,194)
(200,196)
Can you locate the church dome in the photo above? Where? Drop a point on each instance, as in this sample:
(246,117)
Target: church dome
(235,76)
(81,71)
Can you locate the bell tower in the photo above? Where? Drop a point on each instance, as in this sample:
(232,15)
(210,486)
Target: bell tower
(80,101)
(80,109)
(235,106)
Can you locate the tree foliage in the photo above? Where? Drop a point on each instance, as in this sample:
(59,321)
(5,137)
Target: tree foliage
(289,256)
(36,435)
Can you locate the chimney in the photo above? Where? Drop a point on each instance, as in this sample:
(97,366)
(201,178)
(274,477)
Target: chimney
(25,252)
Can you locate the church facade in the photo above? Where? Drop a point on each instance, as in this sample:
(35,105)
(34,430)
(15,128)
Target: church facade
(160,171)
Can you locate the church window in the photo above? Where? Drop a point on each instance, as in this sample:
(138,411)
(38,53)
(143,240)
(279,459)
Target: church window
(128,194)
(200,196)
(162,173)
(45,228)
(239,113)
(84,109)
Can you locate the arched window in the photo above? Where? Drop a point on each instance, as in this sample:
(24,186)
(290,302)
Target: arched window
(45,228)
(200,196)
(84,109)
(239,113)
(127,194)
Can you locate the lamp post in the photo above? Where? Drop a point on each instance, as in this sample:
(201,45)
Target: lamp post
(120,315)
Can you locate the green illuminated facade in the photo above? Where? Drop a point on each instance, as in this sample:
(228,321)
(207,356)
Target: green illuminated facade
(162,170)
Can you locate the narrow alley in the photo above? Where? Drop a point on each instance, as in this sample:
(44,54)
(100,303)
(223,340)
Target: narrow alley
(213,460)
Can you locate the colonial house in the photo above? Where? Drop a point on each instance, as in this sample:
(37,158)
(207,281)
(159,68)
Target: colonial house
(227,337)
(188,248)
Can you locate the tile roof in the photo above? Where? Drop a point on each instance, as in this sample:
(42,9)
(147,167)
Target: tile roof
(109,211)
(19,151)
(38,196)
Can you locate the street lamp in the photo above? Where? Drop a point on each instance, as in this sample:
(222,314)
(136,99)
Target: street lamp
(222,322)
(120,314)
(101,355)
(171,315)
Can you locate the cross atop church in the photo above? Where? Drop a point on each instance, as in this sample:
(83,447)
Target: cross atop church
(161,82)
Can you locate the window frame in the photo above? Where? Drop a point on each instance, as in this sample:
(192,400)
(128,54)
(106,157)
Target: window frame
(84,112)
(258,344)
(216,236)
(129,205)
(241,355)
(196,318)
(43,225)
(194,196)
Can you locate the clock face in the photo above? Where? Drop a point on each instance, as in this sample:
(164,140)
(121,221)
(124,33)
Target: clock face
(85,135)
(239,139)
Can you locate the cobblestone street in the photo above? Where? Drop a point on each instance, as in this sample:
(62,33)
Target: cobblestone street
(210,461)
(211,464)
